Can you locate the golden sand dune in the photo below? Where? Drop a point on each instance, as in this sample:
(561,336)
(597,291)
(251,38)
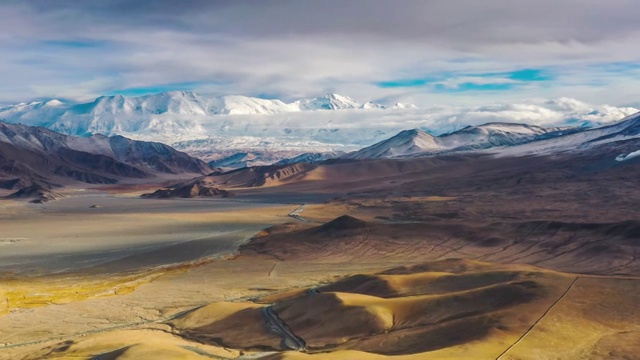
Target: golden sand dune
(335,355)
(236,325)
(419,284)
(132,345)
(447,309)
(390,320)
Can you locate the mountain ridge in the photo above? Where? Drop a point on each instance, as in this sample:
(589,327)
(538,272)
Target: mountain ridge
(416,141)
(183,103)
(212,128)
(36,155)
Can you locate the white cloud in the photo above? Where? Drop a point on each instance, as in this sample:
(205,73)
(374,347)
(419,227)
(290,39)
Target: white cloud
(296,49)
(353,129)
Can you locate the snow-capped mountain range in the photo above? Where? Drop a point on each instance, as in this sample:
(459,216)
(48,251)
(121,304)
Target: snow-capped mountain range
(180,116)
(261,158)
(416,141)
(205,126)
(626,130)
(98,116)
(505,139)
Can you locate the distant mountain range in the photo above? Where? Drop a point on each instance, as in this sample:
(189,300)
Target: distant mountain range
(35,155)
(505,139)
(33,160)
(205,125)
(603,150)
(109,114)
(261,158)
(333,119)
(418,142)
(238,131)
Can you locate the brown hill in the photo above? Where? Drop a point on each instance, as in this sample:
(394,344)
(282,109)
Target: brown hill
(33,154)
(188,191)
(547,187)
(594,248)
(342,223)
(447,309)
(263,175)
(36,194)
(380,322)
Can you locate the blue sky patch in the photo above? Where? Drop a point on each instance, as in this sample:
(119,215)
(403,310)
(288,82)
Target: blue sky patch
(517,77)
(74,44)
(528,75)
(403,83)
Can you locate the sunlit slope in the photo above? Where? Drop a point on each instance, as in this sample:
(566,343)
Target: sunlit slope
(448,309)
(130,345)
(396,318)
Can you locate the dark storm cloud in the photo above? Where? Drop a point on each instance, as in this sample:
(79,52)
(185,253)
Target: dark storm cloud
(459,21)
(298,48)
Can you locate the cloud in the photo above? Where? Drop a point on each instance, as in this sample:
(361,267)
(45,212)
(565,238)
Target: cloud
(426,51)
(353,129)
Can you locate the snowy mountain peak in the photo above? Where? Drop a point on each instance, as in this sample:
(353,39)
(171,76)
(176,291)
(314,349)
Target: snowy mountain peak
(330,101)
(404,106)
(243,105)
(372,105)
(416,142)
(110,105)
(406,142)
(413,133)
(109,99)
(54,103)
(180,93)
(502,127)
(340,98)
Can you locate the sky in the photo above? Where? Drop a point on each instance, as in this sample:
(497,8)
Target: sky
(426,52)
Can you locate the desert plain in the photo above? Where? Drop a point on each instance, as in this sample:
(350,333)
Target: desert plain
(460,257)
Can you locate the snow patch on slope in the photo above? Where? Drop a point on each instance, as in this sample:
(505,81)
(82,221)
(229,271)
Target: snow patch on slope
(631,155)
(328,102)
(416,142)
(406,142)
(625,129)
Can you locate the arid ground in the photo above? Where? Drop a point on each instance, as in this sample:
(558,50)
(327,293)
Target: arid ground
(450,258)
